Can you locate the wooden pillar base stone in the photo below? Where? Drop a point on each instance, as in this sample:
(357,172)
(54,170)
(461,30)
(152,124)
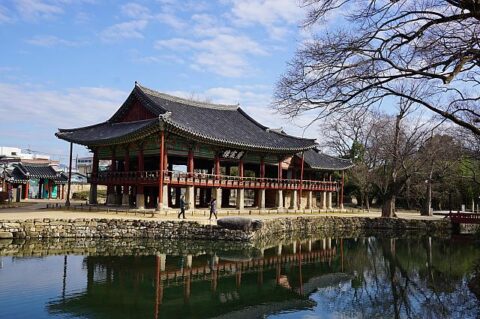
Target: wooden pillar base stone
(111,198)
(92,196)
(293,199)
(140,201)
(240,199)
(261,199)
(125,200)
(165,196)
(217,194)
(279,199)
(190,198)
(309,200)
(329,205)
(323,200)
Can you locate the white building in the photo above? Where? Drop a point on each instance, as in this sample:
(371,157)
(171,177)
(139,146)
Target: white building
(16,153)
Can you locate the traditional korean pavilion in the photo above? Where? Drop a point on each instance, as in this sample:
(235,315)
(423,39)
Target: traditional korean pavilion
(162,146)
(39,181)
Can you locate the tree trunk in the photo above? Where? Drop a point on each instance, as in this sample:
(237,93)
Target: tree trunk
(427,207)
(367,202)
(388,207)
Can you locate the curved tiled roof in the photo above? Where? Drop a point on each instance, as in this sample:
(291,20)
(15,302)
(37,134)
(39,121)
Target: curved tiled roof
(316,160)
(226,125)
(23,172)
(108,132)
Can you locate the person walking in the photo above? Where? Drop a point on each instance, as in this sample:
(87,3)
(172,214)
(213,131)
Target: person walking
(213,208)
(182,207)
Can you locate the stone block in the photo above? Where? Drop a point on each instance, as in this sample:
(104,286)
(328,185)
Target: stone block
(5,235)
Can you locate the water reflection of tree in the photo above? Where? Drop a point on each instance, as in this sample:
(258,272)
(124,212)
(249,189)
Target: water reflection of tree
(407,279)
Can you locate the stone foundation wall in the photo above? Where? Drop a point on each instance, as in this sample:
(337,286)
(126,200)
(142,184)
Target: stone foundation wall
(117,228)
(275,230)
(271,230)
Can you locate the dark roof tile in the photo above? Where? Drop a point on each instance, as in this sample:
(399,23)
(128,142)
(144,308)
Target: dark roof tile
(23,172)
(316,160)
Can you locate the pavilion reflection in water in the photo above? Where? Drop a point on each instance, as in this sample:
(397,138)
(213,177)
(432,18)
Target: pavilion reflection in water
(204,285)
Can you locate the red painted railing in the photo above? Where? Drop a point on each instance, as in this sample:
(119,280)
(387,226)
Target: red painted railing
(209,180)
(464,218)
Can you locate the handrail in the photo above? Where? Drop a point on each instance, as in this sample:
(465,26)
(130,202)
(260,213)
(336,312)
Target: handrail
(179,177)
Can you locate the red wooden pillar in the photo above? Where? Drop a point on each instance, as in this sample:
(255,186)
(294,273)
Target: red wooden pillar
(165,160)
(190,163)
(280,170)
(141,168)
(126,167)
(113,168)
(217,167)
(63,191)
(161,168)
(262,168)
(240,169)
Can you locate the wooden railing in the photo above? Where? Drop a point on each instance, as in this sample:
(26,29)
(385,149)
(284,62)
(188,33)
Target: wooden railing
(464,218)
(209,180)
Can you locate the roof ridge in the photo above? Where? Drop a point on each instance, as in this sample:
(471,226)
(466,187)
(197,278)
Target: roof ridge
(62,130)
(130,122)
(335,157)
(291,136)
(172,98)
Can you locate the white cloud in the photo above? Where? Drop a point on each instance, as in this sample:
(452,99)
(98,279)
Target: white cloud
(53,108)
(125,30)
(139,12)
(166,58)
(37,9)
(136,11)
(215,48)
(51,41)
(170,20)
(275,15)
(5,15)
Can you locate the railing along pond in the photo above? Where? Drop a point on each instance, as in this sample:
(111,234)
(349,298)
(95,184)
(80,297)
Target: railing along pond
(210,180)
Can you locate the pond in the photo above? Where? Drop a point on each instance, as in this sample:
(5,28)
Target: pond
(366,277)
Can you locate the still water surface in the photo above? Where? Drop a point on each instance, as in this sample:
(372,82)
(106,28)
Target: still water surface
(320,278)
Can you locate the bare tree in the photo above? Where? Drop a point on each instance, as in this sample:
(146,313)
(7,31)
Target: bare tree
(439,156)
(430,44)
(397,146)
(351,136)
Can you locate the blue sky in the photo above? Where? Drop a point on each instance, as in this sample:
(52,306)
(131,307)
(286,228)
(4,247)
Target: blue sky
(70,63)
